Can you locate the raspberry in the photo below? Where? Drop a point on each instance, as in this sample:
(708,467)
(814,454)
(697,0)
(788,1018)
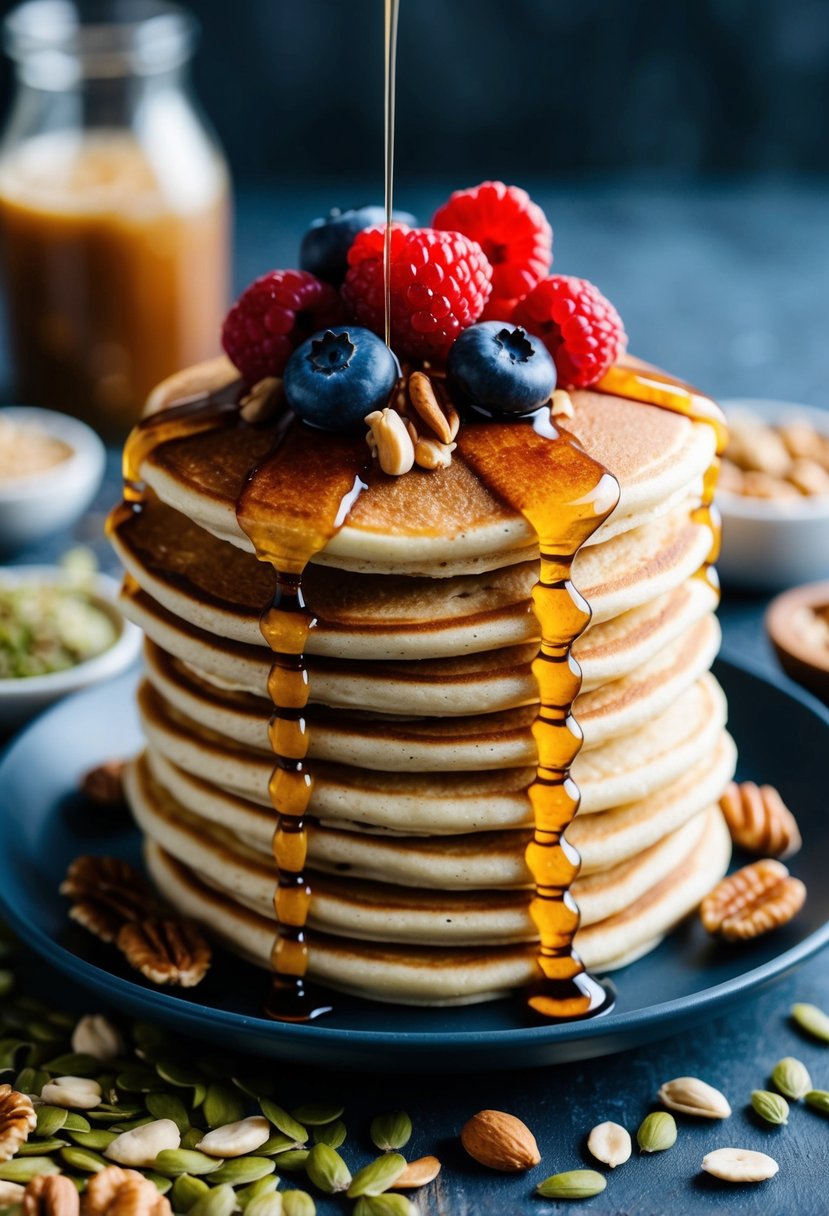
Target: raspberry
(440,282)
(513,233)
(273,316)
(579,326)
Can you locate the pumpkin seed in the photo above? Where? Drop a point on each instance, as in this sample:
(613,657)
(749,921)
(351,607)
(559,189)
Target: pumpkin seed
(316,1114)
(219,1201)
(572,1184)
(262,1186)
(182,1077)
(73,1064)
(298,1203)
(293,1159)
(169,1106)
(377,1176)
(132,1124)
(391,1131)
(282,1121)
(244,1170)
(174,1161)
(138,1079)
(265,1205)
(31,1081)
(192,1137)
(99,1138)
(161,1183)
(327,1170)
(24,1169)
(75,1122)
(186,1191)
(51,1119)
(384,1205)
(35,1148)
(332,1134)
(83,1159)
(813,1020)
(277,1143)
(222,1106)
(254,1088)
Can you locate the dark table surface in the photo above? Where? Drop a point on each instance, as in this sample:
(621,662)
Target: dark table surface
(728,287)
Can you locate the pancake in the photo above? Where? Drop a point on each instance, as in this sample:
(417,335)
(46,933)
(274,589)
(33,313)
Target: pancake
(459,526)
(423,975)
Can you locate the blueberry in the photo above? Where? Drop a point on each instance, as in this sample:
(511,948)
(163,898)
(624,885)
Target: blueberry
(338,376)
(325,246)
(501,368)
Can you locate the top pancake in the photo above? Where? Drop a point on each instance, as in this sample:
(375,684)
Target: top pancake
(445,521)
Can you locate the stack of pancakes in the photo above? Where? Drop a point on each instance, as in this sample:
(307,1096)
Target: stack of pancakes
(422,703)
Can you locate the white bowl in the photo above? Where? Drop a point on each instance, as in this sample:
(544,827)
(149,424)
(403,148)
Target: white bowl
(771,544)
(38,504)
(21,699)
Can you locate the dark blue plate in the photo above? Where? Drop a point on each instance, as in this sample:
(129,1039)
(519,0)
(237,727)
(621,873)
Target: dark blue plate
(783,738)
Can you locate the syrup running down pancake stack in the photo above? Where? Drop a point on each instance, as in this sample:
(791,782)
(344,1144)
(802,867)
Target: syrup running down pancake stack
(422,722)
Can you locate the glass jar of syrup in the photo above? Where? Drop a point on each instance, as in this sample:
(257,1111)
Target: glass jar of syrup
(114,207)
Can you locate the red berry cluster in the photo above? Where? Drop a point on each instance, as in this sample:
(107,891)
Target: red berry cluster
(487,256)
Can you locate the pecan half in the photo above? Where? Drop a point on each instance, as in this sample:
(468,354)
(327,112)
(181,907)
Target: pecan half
(117,1192)
(166,951)
(759,820)
(51,1195)
(752,901)
(442,420)
(104,785)
(106,893)
(17,1119)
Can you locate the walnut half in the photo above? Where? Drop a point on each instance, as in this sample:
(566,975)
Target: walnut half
(106,893)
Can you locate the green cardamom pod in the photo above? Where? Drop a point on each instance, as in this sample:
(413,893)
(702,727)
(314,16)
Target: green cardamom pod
(791,1077)
(573,1184)
(391,1131)
(377,1176)
(298,1203)
(50,1119)
(262,1186)
(657,1132)
(169,1106)
(24,1169)
(186,1191)
(222,1105)
(219,1201)
(83,1159)
(813,1020)
(771,1107)
(384,1205)
(332,1134)
(327,1170)
(818,1099)
(265,1205)
(243,1170)
(316,1114)
(175,1161)
(283,1122)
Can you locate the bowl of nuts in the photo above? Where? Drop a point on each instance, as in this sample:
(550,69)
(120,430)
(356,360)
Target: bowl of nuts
(773,494)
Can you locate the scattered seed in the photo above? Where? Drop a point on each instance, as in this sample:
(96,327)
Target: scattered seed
(739,1165)
(813,1020)
(39,1148)
(83,1159)
(657,1132)
(316,1114)
(326,1169)
(791,1077)
(139,1079)
(377,1176)
(691,1096)
(219,1201)
(384,1205)
(298,1203)
(262,1186)
(161,1184)
(610,1144)
(222,1106)
(98,1139)
(391,1131)
(771,1107)
(169,1106)
(818,1099)
(283,1122)
(74,1063)
(24,1169)
(243,1171)
(332,1134)
(293,1159)
(186,1191)
(191,1137)
(31,1081)
(51,1119)
(277,1144)
(75,1122)
(266,1205)
(175,1161)
(572,1184)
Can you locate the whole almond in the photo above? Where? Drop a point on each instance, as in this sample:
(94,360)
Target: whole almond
(500,1141)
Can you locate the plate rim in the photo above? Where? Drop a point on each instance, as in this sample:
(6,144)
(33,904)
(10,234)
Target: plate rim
(205,1017)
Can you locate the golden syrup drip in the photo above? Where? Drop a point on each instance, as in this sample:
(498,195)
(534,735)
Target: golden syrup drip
(564,495)
(651,387)
(390,89)
(290,508)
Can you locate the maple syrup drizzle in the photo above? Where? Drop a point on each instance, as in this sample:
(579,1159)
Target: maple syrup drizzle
(652,387)
(290,508)
(564,495)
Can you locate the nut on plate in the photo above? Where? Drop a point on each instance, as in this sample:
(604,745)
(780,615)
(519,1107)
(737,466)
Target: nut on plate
(759,820)
(389,440)
(752,901)
(442,420)
(166,951)
(117,1192)
(51,1195)
(17,1119)
(104,784)
(500,1141)
(106,893)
